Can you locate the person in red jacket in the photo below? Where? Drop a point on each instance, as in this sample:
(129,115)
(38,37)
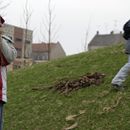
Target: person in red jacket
(7,55)
(2,73)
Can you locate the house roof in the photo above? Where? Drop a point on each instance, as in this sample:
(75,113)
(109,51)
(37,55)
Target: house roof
(106,39)
(42,47)
(38,47)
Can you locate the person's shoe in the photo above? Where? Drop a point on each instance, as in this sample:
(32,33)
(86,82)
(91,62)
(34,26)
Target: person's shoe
(117,87)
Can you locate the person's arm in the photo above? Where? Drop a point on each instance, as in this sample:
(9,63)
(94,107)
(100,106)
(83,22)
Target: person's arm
(8,50)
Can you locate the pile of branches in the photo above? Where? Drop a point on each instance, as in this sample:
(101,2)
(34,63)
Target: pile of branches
(87,80)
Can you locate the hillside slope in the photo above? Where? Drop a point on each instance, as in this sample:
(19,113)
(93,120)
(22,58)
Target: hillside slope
(93,108)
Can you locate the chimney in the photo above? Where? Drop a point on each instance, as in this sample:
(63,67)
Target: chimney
(120,32)
(97,32)
(112,32)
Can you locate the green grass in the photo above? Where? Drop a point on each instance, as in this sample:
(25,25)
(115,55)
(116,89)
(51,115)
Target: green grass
(46,110)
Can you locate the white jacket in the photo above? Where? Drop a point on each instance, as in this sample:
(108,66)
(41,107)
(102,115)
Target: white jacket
(3,84)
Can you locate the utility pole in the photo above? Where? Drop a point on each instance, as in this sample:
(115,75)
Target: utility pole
(87,35)
(49,29)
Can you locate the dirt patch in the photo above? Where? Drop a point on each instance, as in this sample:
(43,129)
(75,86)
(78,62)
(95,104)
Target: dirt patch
(66,86)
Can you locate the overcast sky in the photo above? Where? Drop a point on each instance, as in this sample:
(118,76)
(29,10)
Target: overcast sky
(72,19)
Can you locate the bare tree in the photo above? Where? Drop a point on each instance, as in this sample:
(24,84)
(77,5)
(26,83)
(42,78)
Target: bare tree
(50,28)
(27,16)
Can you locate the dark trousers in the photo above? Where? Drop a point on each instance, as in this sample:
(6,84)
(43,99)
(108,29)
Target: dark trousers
(1,115)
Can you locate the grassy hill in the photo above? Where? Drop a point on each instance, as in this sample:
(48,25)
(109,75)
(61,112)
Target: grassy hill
(92,108)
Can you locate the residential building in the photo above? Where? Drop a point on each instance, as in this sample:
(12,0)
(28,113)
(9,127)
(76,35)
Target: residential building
(104,40)
(35,52)
(40,51)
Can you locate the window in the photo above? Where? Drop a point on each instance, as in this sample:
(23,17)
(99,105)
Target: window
(27,41)
(18,39)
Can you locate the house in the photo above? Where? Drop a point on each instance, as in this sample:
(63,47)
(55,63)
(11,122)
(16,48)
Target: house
(40,51)
(35,52)
(104,40)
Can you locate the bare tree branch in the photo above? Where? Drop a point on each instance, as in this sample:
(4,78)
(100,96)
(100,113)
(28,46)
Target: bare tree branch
(43,35)
(27,16)
(3,5)
(55,30)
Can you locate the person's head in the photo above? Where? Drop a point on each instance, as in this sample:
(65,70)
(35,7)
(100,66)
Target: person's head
(1,21)
(1,24)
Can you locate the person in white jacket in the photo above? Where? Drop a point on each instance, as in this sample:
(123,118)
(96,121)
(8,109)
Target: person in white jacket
(120,77)
(7,55)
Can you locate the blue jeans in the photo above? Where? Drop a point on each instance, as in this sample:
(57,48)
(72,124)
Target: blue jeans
(1,115)
(122,74)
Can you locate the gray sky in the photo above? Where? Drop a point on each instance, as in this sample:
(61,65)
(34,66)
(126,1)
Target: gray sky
(72,18)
